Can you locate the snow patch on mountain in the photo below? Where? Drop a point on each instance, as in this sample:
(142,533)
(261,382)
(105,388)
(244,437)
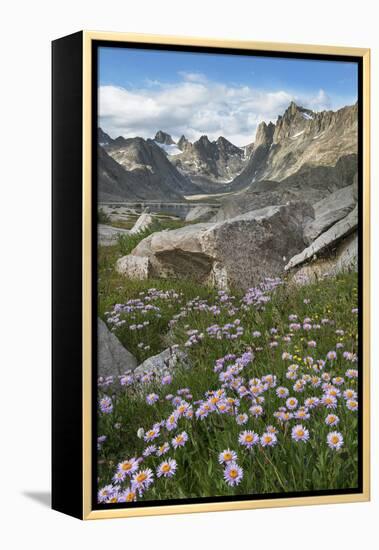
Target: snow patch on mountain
(169,149)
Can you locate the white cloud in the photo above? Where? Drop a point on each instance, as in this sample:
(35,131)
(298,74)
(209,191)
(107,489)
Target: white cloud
(195,106)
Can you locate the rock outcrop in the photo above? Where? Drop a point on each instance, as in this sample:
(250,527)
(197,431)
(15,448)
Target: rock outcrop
(108,235)
(144,221)
(201,214)
(135,267)
(239,252)
(163,362)
(113,358)
(327,240)
(330,210)
(343,257)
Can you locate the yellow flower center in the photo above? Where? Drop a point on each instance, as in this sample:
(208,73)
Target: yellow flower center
(130,497)
(335,439)
(166,468)
(126,466)
(300,433)
(268,438)
(141,477)
(233,473)
(248,438)
(227,456)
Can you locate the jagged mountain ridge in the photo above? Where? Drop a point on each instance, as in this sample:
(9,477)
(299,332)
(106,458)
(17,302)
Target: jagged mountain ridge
(208,161)
(299,137)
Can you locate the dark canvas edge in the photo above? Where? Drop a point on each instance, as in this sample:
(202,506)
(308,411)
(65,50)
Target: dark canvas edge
(67,99)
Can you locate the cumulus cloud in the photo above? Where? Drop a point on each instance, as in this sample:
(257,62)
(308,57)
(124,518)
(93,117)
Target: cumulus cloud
(195,106)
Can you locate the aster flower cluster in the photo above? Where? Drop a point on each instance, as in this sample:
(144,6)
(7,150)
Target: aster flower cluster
(301,400)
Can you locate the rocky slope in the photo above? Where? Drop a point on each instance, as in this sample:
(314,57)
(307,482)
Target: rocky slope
(310,183)
(140,182)
(140,170)
(300,137)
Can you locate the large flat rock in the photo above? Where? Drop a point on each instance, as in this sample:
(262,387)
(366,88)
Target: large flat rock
(239,252)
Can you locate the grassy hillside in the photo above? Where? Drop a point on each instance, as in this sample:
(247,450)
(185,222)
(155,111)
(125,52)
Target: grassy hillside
(250,354)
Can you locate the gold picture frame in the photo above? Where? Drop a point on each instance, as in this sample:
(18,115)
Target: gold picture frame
(85,510)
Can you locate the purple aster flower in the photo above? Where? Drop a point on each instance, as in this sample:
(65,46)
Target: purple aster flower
(248,439)
(106,405)
(167,468)
(332,420)
(268,439)
(291,403)
(151,434)
(167,379)
(352,404)
(150,449)
(233,474)
(142,480)
(227,456)
(152,398)
(105,493)
(241,419)
(299,433)
(128,467)
(282,392)
(179,440)
(163,449)
(334,440)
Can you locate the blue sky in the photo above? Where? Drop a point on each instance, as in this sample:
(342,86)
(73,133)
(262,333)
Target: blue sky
(142,91)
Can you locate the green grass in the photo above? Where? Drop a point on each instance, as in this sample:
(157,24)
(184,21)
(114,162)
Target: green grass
(287,467)
(113,289)
(102,217)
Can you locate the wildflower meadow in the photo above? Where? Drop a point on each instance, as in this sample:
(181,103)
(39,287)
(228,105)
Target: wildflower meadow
(263,399)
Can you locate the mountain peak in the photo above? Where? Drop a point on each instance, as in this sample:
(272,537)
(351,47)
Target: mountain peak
(164,138)
(264,135)
(204,139)
(103,138)
(183,142)
(293,108)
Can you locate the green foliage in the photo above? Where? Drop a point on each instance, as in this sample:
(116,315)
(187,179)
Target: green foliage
(102,217)
(288,467)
